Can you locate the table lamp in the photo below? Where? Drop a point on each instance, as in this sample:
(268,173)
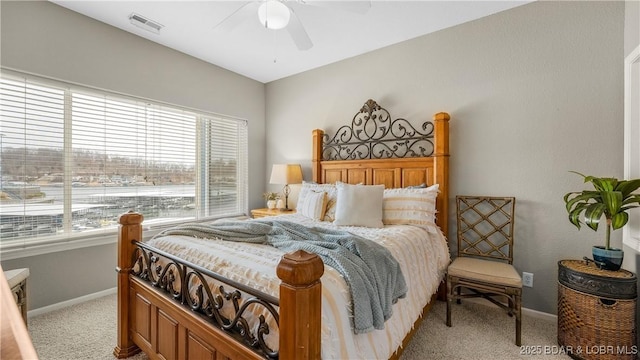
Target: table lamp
(286,174)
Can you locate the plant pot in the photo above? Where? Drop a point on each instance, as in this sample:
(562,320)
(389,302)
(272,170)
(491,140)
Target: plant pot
(271,204)
(608,259)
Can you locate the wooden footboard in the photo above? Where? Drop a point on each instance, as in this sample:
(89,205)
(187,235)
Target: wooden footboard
(151,321)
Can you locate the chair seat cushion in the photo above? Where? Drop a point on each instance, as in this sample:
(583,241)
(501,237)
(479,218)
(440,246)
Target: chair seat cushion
(485,270)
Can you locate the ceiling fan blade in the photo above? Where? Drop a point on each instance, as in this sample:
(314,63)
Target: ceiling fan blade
(244,12)
(298,33)
(359,7)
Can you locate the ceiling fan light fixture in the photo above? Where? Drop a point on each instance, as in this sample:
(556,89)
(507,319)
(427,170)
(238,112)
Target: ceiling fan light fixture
(273,14)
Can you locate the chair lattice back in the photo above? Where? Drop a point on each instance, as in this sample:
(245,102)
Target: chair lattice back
(485,226)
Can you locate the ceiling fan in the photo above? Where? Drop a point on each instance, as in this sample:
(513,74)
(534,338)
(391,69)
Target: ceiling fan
(277,14)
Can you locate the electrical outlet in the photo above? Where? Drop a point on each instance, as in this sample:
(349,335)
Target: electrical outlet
(527,279)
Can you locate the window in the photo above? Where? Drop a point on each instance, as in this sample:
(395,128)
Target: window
(73,159)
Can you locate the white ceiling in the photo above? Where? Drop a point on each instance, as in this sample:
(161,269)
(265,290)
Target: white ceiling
(266,55)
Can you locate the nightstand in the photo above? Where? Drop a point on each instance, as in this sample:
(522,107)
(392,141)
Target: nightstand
(258,213)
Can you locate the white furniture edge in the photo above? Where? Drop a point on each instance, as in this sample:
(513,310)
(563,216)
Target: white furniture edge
(629,239)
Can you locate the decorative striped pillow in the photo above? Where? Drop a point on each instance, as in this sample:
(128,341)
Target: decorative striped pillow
(314,205)
(330,189)
(415,206)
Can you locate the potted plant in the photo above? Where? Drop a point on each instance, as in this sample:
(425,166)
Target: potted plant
(611,199)
(272,198)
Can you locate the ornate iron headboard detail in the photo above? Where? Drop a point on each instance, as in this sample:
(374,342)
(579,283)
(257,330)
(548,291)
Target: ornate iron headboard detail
(373,135)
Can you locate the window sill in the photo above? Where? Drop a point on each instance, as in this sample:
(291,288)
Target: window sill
(16,252)
(20,250)
(632,242)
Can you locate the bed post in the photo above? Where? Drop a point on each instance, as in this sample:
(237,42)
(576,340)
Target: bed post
(130,229)
(441,165)
(316,156)
(300,305)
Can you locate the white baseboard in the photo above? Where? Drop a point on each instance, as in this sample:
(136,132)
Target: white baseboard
(525,311)
(76,301)
(43,310)
(539,314)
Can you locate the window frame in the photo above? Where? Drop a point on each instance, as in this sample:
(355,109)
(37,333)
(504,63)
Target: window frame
(631,232)
(19,248)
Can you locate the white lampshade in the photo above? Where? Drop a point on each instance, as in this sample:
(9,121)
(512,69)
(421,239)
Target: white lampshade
(286,174)
(273,14)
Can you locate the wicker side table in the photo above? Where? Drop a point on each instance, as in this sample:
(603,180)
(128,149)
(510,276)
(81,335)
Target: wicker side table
(596,311)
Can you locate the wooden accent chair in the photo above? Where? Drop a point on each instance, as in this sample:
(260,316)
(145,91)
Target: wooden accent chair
(484,267)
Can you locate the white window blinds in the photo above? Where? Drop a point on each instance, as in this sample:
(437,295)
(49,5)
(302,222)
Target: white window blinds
(74,160)
(31,153)
(227,170)
(130,155)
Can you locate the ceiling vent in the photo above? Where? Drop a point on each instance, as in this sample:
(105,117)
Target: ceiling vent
(144,23)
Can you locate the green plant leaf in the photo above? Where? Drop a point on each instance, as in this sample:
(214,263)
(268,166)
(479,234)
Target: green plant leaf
(567,195)
(582,197)
(619,220)
(575,172)
(592,215)
(633,199)
(604,184)
(613,201)
(628,186)
(574,216)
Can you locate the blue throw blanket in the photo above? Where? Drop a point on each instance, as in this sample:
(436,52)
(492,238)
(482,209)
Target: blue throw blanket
(372,273)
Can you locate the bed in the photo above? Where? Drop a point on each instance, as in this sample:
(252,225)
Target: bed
(223,315)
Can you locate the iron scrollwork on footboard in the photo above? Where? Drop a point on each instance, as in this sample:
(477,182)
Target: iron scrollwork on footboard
(373,135)
(187,283)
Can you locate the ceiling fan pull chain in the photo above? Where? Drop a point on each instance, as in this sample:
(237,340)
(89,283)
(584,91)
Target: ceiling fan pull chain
(266,12)
(275,47)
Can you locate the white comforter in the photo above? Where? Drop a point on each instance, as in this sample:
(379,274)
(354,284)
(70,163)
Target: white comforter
(423,257)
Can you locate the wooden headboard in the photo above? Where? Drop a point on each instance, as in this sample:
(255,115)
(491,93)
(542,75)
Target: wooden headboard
(375,149)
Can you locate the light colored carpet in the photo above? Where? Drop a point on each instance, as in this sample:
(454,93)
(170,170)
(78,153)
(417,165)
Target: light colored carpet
(87,331)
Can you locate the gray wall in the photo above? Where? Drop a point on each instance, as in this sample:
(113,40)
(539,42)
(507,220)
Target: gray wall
(48,40)
(533,92)
(631,26)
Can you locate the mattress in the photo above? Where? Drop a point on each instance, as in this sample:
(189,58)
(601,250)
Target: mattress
(423,257)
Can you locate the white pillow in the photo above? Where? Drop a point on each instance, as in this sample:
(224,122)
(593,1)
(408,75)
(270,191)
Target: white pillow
(331,191)
(415,206)
(359,205)
(313,205)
